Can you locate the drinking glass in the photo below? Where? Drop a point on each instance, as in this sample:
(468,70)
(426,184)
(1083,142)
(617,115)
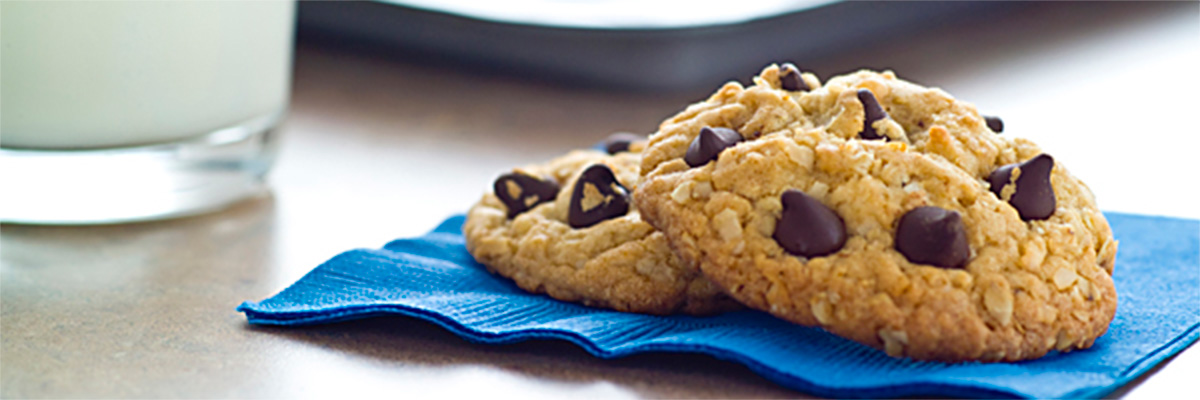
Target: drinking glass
(116,111)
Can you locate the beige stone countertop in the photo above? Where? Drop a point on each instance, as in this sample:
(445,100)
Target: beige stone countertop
(381,148)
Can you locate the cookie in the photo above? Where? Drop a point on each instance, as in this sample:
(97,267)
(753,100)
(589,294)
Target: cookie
(884,212)
(566,228)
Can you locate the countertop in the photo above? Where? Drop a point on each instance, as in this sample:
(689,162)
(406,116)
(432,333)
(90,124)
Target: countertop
(377,148)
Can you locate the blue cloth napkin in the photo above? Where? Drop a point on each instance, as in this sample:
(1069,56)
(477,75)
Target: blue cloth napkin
(434,278)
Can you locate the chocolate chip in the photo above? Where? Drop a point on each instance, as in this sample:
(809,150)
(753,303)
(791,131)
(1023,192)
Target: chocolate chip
(708,144)
(519,192)
(789,78)
(994,123)
(597,196)
(620,141)
(873,112)
(807,227)
(933,235)
(1034,195)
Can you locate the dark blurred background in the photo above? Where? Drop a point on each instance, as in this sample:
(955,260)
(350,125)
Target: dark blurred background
(679,52)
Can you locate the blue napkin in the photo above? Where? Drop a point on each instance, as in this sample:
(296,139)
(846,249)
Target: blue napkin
(434,278)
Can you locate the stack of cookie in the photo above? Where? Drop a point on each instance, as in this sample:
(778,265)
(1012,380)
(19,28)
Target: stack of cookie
(879,210)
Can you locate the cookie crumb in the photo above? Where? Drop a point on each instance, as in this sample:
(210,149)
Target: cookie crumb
(702,190)
(682,193)
(727,225)
(999,302)
(893,341)
(823,311)
(1064,277)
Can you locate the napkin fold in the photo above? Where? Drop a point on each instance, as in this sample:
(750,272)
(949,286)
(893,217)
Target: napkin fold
(432,277)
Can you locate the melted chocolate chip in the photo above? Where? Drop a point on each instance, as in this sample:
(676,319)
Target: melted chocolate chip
(807,227)
(994,123)
(1034,195)
(520,192)
(873,111)
(597,196)
(708,144)
(789,78)
(934,236)
(620,141)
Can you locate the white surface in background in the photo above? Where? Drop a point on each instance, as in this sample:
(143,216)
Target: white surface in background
(1122,117)
(613,13)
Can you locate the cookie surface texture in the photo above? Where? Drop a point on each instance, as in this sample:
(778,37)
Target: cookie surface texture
(986,285)
(620,263)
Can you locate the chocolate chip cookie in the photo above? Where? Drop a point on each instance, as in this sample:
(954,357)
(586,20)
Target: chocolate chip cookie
(566,228)
(885,212)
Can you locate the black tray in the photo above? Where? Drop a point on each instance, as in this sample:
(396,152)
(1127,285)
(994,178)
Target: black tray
(638,53)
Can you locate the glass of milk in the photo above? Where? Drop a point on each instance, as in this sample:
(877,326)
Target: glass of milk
(116,111)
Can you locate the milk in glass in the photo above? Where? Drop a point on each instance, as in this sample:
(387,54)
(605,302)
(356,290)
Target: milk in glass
(117,111)
(95,74)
